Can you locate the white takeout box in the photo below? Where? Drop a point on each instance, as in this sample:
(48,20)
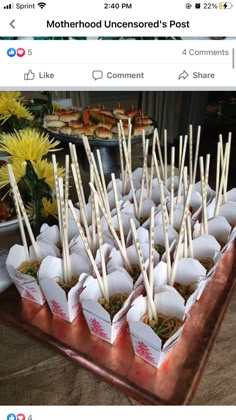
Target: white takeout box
(64,306)
(97,318)
(49,234)
(146,343)
(205,246)
(218,227)
(188,271)
(26,285)
(116,259)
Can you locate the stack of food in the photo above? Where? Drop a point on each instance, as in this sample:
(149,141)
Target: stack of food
(97,122)
(146,246)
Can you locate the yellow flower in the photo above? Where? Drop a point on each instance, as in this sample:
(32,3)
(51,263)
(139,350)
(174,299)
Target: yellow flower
(27,144)
(18,167)
(44,170)
(10,105)
(49,208)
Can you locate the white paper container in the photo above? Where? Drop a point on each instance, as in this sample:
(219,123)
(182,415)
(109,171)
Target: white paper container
(118,186)
(64,306)
(205,246)
(159,235)
(156,192)
(45,249)
(146,343)
(210,191)
(76,245)
(72,227)
(188,271)
(125,219)
(147,204)
(176,183)
(97,318)
(111,199)
(231,195)
(138,173)
(5,279)
(116,259)
(143,236)
(218,227)
(26,285)
(128,208)
(228,210)
(49,234)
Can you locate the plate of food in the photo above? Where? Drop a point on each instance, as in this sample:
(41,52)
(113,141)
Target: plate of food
(98,124)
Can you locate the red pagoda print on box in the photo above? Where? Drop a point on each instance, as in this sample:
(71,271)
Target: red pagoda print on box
(143,351)
(27,295)
(97,329)
(56,309)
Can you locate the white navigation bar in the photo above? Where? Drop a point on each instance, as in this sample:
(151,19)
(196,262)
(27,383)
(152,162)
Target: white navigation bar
(132,18)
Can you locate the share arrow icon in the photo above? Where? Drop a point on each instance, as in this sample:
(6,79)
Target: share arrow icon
(183,75)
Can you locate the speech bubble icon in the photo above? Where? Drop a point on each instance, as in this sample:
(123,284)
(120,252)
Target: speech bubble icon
(97,74)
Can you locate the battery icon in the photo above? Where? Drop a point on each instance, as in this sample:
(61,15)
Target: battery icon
(226,5)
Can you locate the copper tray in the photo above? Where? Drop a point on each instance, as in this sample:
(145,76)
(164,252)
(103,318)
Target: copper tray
(177,379)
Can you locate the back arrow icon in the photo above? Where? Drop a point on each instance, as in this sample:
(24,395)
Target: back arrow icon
(12,24)
(183,75)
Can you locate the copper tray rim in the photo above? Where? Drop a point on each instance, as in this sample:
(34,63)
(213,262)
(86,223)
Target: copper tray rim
(119,381)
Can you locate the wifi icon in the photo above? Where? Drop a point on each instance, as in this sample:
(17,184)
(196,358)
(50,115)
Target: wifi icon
(41,5)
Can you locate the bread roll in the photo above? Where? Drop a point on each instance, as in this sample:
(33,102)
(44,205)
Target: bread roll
(103,133)
(51,117)
(66,130)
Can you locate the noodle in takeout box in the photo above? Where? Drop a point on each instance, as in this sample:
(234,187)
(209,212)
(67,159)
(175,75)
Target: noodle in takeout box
(100,322)
(146,343)
(22,262)
(27,285)
(64,302)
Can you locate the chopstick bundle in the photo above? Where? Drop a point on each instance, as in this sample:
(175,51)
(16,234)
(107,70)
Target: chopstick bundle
(182,168)
(196,154)
(112,230)
(151,247)
(181,234)
(191,154)
(102,256)
(128,146)
(152,162)
(160,155)
(20,209)
(86,245)
(152,313)
(122,167)
(172,185)
(75,162)
(67,275)
(227,167)
(165,157)
(222,180)
(128,167)
(121,230)
(143,178)
(165,221)
(92,164)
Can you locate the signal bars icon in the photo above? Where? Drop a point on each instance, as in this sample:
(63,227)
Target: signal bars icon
(8,6)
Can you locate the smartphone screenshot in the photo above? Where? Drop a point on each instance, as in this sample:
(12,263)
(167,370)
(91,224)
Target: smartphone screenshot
(117,208)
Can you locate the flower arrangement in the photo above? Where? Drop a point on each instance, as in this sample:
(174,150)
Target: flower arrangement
(13,114)
(34,174)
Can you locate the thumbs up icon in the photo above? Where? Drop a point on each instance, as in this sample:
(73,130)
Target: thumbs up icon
(29,76)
